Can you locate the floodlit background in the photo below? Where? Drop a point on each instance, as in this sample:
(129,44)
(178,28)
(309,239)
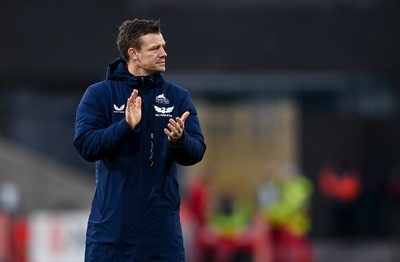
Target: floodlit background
(299,104)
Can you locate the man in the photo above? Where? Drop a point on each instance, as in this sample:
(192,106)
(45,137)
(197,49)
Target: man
(137,126)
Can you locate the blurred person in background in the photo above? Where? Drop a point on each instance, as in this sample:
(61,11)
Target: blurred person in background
(227,237)
(195,206)
(13,225)
(137,126)
(197,197)
(341,186)
(284,199)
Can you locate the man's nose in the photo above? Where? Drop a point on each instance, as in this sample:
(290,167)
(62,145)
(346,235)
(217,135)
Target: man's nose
(163,53)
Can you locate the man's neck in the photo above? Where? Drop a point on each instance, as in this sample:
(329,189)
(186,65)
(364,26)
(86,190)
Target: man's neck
(136,71)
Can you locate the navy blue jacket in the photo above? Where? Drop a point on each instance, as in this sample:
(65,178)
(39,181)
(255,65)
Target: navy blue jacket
(135,209)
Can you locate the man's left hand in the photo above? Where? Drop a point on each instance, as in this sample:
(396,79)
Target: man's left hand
(176,127)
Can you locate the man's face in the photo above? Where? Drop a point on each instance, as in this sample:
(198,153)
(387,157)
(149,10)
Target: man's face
(151,56)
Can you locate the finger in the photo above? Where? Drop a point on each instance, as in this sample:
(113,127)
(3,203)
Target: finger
(132,94)
(135,93)
(138,102)
(184,116)
(174,129)
(181,120)
(168,133)
(172,122)
(135,100)
(132,97)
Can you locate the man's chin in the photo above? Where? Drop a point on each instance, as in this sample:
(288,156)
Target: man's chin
(159,69)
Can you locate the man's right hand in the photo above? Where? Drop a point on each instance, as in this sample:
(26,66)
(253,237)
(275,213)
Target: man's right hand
(133,111)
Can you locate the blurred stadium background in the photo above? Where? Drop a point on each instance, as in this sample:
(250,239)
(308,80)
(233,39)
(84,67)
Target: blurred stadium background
(310,87)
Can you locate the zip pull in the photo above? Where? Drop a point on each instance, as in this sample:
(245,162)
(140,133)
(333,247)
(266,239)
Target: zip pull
(151,158)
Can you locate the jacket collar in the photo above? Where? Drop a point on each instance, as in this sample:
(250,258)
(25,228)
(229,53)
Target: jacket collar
(118,70)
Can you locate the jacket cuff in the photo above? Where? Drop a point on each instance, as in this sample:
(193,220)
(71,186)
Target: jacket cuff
(180,142)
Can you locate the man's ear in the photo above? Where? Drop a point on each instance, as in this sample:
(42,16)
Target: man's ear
(132,53)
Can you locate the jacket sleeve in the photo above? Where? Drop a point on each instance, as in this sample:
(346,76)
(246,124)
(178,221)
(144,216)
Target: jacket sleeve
(192,148)
(95,138)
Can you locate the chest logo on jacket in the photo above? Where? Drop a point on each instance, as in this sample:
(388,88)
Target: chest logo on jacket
(161,99)
(162,110)
(119,110)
